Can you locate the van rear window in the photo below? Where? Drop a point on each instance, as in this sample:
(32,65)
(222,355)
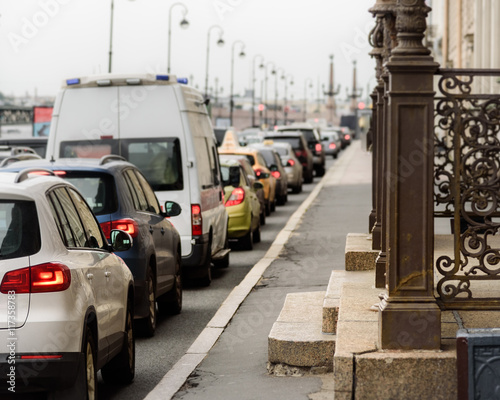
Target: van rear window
(159,159)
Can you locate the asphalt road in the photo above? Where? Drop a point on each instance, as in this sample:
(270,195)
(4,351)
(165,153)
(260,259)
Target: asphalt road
(155,356)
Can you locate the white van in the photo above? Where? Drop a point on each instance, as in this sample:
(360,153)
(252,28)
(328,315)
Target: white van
(162,126)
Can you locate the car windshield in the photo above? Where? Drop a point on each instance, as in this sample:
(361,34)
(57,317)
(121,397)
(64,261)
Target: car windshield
(19,229)
(230,174)
(282,151)
(98,189)
(268,156)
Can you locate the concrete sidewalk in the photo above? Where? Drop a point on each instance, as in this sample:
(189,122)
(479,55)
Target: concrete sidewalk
(229,359)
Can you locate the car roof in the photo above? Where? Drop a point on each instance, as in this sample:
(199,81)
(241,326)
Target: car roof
(285,134)
(24,186)
(295,126)
(229,162)
(105,163)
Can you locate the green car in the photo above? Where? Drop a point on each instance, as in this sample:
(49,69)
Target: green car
(242,204)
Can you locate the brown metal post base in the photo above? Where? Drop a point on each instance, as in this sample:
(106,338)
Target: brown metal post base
(371,220)
(409,324)
(377,236)
(380,270)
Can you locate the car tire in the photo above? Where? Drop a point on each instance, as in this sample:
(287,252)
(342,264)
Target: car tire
(90,357)
(224,263)
(206,280)
(273,206)
(320,171)
(246,241)
(281,200)
(147,325)
(262,218)
(256,234)
(268,209)
(309,177)
(171,303)
(335,156)
(121,369)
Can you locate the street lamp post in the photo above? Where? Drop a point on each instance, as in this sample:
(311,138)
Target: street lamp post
(305,96)
(242,54)
(111,35)
(184,25)
(253,84)
(276,93)
(285,106)
(265,90)
(220,42)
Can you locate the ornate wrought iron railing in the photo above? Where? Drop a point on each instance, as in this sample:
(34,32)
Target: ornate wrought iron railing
(467,187)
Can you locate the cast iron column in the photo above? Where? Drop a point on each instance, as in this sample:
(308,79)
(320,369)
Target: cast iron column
(409,317)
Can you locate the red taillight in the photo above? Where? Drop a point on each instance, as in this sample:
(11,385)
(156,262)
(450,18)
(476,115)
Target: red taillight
(276,174)
(318,147)
(41,357)
(237,197)
(290,163)
(347,137)
(127,225)
(259,173)
(196,220)
(49,277)
(332,146)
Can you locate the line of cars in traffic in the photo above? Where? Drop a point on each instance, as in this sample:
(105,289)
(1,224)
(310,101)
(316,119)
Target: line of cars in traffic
(131,167)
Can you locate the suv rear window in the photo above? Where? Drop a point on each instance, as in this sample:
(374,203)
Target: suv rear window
(97,188)
(19,229)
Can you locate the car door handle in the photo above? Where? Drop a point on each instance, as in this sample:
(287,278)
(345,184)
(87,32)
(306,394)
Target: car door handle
(90,276)
(151,229)
(107,274)
(162,231)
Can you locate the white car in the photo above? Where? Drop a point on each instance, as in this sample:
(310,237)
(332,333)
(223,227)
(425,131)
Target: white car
(66,300)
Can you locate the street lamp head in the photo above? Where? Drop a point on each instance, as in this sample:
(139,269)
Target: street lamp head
(220,42)
(242,54)
(184,23)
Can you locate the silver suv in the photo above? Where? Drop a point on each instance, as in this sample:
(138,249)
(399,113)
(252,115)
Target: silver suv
(66,300)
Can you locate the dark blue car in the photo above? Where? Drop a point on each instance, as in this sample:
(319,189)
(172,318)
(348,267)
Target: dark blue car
(121,198)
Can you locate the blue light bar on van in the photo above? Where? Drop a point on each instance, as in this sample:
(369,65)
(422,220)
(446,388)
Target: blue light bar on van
(74,81)
(162,77)
(182,80)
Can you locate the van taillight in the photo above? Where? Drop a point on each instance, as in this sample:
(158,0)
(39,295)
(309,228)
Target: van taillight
(196,220)
(290,163)
(127,225)
(318,147)
(49,277)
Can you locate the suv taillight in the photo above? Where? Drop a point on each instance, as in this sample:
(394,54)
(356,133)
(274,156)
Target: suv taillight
(237,197)
(318,147)
(127,225)
(196,220)
(276,174)
(49,277)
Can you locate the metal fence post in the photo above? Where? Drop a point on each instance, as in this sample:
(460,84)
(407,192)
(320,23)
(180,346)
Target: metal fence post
(409,317)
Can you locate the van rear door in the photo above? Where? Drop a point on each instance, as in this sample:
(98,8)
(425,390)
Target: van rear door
(83,113)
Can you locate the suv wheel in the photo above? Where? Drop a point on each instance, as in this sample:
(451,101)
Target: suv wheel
(171,302)
(148,324)
(90,352)
(308,178)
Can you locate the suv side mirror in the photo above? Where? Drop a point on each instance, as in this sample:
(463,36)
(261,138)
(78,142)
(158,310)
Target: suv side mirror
(120,240)
(273,167)
(172,209)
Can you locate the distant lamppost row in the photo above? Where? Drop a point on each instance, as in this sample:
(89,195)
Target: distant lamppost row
(285,105)
(220,43)
(231,101)
(305,96)
(184,25)
(276,93)
(266,78)
(111,35)
(253,84)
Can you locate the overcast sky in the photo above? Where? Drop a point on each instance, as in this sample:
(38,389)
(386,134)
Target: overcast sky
(44,42)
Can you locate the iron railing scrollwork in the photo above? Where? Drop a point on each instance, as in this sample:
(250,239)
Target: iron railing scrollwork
(467,187)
